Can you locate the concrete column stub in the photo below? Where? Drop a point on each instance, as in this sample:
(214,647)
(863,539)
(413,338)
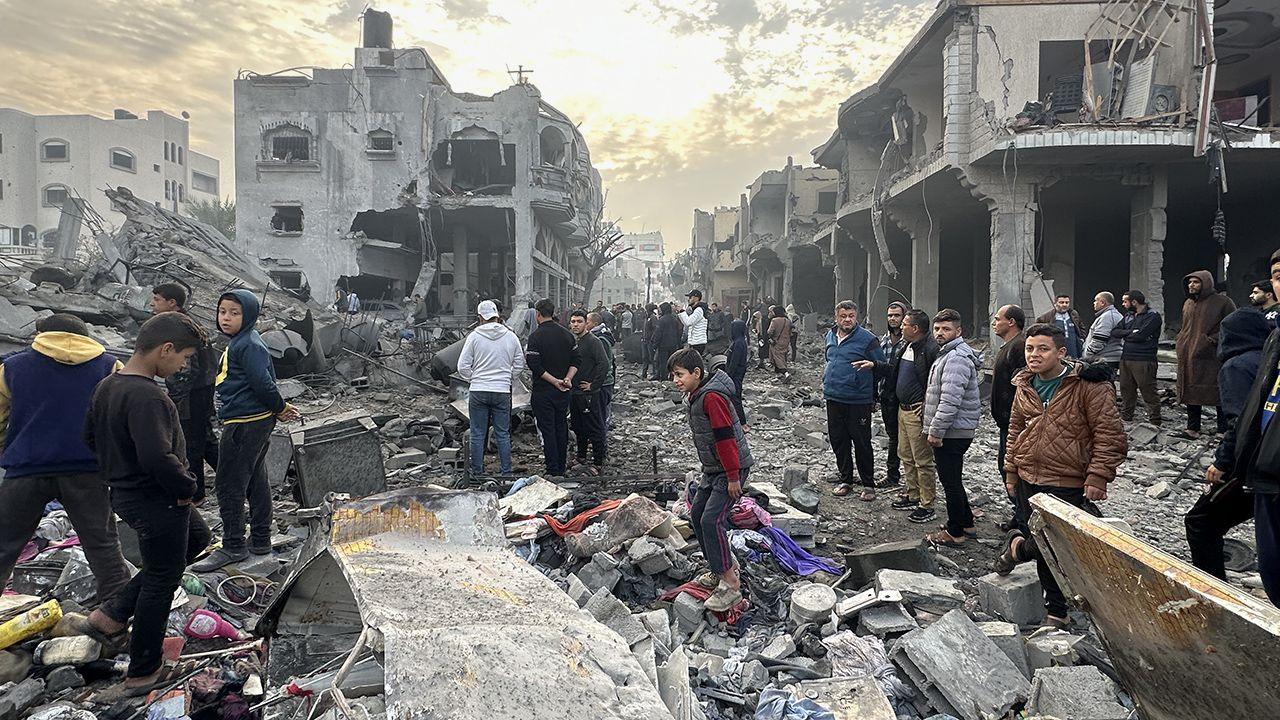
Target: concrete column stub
(1148,226)
(461,270)
(925,233)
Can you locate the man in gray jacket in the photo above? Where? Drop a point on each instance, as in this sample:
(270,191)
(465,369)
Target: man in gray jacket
(1099,346)
(952,408)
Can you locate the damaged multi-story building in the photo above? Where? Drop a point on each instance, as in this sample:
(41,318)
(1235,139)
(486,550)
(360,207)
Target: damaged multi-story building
(380,178)
(766,247)
(1018,150)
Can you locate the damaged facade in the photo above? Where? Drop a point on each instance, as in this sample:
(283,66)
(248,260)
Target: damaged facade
(766,246)
(977,171)
(379,178)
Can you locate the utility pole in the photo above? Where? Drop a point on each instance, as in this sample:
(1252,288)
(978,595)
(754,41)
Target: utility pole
(648,282)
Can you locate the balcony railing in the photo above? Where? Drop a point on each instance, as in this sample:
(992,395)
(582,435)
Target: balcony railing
(551,178)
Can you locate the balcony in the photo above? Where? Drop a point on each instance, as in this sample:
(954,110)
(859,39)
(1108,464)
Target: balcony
(550,197)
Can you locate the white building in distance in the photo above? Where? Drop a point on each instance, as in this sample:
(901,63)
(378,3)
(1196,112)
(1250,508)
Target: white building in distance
(44,159)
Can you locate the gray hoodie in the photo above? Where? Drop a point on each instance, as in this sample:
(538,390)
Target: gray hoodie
(491,358)
(952,406)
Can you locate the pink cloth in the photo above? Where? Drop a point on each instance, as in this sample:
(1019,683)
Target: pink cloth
(748,515)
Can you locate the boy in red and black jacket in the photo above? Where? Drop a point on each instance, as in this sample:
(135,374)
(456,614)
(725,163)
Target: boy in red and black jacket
(726,460)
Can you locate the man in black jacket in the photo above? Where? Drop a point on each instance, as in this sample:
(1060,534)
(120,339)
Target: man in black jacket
(1008,323)
(191,390)
(891,344)
(552,357)
(586,406)
(1257,457)
(1141,333)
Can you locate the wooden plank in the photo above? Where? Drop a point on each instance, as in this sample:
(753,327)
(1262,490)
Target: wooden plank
(1185,644)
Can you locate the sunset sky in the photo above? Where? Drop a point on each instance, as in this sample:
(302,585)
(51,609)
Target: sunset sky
(681,103)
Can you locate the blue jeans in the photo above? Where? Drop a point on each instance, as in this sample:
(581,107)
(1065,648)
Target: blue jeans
(485,408)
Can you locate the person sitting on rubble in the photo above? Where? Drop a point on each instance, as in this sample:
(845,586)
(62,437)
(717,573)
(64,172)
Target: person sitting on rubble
(44,397)
(191,389)
(134,431)
(491,360)
(726,461)
(250,406)
(1065,440)
(585,410)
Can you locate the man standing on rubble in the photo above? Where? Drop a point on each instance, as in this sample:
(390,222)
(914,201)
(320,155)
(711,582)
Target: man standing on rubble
(1065,440)
(1099,346)
(1197,345)
(552,356)
(353,303)
(891,346)
(1008,324)
(952,408)
(597,327)
(850,395)
(585,405)
(491,361)
(694,318)
(1067,318)
(1140,333)
(44,397)
(191,390)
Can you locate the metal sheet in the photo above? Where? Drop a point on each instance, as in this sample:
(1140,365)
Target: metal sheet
(1184,644)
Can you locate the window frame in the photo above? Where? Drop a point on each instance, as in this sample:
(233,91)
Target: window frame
(44,150)
(133,157)
(213,182)
(44,194)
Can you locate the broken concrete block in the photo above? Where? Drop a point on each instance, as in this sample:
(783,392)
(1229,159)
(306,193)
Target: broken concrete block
(1007,637)
(595,578)
(848,698)
(1159,491)
(649,555)
(578,591)
(689,612)
(816,440)
(1052,650)
(805,498)
(658,623)
(922,591)
(812,603)
(779,648)
(911,555)
(615,615)
(535,497)
(718,643)
(773,411)
(884,621)
(405,459)
(673,685)
(960,670)
(21,697)
(755,676)
(1016,597)
(713,664)
(636,516)
(62,678)
(794,476)
(1079,693)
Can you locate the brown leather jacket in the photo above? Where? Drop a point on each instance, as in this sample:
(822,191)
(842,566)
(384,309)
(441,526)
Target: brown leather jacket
(1077,440)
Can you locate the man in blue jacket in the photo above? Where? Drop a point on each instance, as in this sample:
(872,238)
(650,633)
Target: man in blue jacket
(850,395)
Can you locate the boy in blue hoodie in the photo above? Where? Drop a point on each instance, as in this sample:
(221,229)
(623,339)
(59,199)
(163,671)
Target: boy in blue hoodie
(44,397)
(251,405)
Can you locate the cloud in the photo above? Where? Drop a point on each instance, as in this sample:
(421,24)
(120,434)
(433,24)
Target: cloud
(682,102)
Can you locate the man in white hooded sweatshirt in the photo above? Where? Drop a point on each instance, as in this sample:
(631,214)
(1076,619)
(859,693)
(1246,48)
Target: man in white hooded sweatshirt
(695,321)
(491,360)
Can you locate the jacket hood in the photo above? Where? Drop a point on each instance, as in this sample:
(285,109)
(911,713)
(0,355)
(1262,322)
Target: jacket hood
(67,348)
(1206,283)
(1243,330)
(603,330)
(960,347)
(249,305)
(493,330)
(738,330)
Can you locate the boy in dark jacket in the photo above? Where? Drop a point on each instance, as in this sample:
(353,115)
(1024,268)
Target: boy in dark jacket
(191,389)
(726,460)
(736,366)
(134,431)
(44,397)
(251,405)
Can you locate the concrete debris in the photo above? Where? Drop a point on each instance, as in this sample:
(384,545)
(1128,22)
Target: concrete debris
(1016,597)
(886,621)
(1079,693)
(848,698)
(1009,640)
(922,591)
(1052,649)
(910,555)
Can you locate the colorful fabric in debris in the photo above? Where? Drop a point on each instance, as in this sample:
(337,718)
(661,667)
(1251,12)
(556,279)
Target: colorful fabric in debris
(730,616)
(748,515)
(795,558)
(581,520)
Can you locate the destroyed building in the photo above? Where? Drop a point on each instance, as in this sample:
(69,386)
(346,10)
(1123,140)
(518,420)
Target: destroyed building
(379,178)
(1014,151)
(766,247)
(47,160)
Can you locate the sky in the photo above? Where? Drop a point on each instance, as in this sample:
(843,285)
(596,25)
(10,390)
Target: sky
(682,104)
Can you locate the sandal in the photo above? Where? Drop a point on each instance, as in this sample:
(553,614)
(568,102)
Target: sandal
(112,643)
(842,489)
(942,537)
(867,494)
(970,531)
(1055,622)
(1009,558)
(169,674)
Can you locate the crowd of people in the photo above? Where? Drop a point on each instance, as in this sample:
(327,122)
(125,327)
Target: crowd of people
(105,440)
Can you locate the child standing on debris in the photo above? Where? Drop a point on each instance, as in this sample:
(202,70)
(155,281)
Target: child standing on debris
(251,405)
(726,460)
(134,431)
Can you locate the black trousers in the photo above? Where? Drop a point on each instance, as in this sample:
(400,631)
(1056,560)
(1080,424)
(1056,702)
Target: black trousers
(661,355)
(709,515)
(1193,418)
(551,412)
(893,466)
(1055,603)
(197,429)
(849,427)
(949,460)
(588,426)
(1266,525)
(242,475)
(1004,447)
(646,358)
(737,398)
(169,537)
(1209,521)
(87,501)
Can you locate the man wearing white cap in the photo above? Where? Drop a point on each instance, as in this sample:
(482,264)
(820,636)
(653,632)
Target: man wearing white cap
(491,360)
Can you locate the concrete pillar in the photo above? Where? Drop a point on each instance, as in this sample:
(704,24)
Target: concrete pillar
(925,233)
(878,293)
(788,278)
(524,257)
(461,270)
(484,278)
(1012,238)
(1148,225)
(851,268)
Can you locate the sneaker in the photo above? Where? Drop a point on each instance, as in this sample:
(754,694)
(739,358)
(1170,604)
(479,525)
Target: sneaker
(922,515)
(723,598)
(217,560)
(708,580)
(904,503)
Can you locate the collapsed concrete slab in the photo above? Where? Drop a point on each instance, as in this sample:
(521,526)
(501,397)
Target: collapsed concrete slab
(1166,625)
(1079,693)
(464,627)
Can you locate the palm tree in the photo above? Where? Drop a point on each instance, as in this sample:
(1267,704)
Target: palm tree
(221,214)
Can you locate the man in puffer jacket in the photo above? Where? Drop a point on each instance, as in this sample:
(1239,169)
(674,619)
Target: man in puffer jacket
(1065,440)
(1225,503)
(952,408)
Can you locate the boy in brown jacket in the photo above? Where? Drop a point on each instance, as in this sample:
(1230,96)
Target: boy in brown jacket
(1065,439)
